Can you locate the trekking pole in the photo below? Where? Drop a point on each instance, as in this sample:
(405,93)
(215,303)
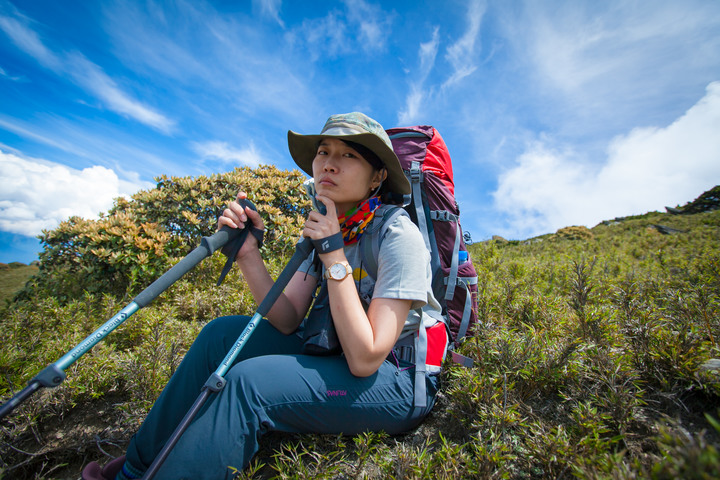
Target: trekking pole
(216,381)
(54,374)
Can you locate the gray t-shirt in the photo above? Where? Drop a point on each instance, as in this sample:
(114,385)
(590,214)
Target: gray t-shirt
(403,271)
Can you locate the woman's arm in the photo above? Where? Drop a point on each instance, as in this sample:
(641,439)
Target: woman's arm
(291,305)
(289,309)
(366,338)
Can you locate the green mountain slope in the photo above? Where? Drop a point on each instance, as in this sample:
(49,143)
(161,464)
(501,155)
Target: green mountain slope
(595,358)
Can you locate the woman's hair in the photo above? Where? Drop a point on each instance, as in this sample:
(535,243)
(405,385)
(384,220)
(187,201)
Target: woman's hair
(367,154)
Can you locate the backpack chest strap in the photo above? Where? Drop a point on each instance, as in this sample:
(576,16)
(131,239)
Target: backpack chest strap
(443,216)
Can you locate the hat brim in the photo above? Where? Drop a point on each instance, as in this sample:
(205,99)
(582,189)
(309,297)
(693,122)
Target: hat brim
(303,149)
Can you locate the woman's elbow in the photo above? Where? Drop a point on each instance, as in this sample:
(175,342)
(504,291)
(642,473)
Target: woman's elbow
(285,327)
(362,369)
(285,330)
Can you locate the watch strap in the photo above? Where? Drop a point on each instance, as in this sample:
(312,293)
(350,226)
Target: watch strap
(346,265)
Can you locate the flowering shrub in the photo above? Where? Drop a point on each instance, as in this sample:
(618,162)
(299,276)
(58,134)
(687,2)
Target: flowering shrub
(139,239)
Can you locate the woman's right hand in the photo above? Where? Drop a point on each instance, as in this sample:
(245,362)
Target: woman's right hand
(235,216)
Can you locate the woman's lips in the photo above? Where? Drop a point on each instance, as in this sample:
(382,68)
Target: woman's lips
(327,181)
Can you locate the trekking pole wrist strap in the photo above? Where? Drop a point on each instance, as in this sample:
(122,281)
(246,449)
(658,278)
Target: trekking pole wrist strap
(231,249)
(329,244)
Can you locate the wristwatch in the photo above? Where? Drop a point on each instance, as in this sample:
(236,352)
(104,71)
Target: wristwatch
(338,271)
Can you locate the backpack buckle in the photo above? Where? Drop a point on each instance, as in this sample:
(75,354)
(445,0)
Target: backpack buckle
(415,173)
(405,353)
(443,216)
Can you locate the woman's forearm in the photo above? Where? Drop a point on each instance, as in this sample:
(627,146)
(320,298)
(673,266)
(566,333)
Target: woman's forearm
(285,315)
(366,338)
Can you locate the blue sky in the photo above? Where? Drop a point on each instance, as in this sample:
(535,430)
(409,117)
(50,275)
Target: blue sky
(555,113)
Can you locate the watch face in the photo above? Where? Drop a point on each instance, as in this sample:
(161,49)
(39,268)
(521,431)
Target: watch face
(338,271)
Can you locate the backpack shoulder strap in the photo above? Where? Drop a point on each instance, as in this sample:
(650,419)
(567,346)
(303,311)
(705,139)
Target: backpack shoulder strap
(370,242)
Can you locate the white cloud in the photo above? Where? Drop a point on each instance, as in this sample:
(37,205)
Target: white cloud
(644,170)
(271,9)
(95,80)
(226,154)
(373,23)
(427,53)
(29,41)
(38,195)
(85,74)
(609,61)
(462,57)
(461,54)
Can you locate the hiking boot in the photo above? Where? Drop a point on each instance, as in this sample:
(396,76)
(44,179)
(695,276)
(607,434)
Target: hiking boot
(92,470)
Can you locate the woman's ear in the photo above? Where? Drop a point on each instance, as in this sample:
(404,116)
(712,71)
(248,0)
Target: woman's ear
(378,178)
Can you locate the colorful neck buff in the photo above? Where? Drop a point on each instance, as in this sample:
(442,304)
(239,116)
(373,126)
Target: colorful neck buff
(354,222)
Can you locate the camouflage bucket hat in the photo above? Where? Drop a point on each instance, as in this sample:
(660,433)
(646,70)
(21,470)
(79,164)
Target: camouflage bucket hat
(354,127)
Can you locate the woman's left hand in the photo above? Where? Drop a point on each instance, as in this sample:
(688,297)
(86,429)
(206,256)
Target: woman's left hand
(319,226)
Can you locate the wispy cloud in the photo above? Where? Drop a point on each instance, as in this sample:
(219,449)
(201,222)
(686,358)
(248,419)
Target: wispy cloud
(95,80)
(610,61)
(4,74)
(223,66)
(645,169)
(32,190)
(26,131)
(373,23)
(91,144)
(462,55)
(227,154)
(270,9)
(582,44)
(85,74)
(28,41)
(360,27)
(323,37)
(427,53)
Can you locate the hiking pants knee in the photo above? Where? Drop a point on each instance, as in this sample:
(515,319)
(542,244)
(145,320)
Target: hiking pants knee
(271,387)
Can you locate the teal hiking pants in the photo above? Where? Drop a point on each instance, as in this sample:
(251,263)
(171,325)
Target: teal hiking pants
(271,387)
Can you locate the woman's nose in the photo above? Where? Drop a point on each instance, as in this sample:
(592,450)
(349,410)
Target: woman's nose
(329,165)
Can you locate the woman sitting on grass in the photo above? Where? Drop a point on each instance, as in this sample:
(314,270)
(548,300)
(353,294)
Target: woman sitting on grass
(274,385)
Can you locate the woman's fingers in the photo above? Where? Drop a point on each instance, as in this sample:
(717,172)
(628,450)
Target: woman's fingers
(234,216)
(319,226)
(254,218)
(331,209)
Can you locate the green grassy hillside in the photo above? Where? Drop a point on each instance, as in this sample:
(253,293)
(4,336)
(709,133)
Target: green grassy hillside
(595,358)
(13,277)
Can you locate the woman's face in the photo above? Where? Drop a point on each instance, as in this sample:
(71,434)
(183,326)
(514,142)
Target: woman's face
(343,175)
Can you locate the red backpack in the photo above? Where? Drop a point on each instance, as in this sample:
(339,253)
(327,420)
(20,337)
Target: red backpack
(433,208)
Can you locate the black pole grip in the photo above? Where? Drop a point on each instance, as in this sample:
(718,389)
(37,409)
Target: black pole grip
(208,245)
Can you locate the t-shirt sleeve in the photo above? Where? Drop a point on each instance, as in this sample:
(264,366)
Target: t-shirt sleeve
(309,267)
(404,264)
